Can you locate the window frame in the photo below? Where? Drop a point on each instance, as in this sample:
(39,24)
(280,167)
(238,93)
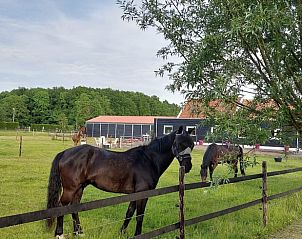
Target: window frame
(165,129)
(191,126)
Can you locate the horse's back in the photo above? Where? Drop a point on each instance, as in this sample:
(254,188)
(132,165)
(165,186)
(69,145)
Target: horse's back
(107,170)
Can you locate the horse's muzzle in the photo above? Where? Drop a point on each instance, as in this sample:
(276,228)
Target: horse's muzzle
(186,162)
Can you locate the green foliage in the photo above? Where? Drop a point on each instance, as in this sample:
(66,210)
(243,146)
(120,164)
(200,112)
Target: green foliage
(13,108)
(60,106)
(9,125)
(226,49)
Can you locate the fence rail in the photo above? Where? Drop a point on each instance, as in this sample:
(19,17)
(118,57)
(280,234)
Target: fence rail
(59,211)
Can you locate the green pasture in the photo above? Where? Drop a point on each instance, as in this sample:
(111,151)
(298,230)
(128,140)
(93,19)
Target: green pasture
(23,184)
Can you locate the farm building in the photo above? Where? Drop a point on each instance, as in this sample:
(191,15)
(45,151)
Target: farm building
(120,126)
(141,126)
(145,126)
(164,126)
(188,118)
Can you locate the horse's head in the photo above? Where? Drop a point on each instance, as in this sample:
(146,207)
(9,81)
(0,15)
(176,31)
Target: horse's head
(82,130)
(182,148)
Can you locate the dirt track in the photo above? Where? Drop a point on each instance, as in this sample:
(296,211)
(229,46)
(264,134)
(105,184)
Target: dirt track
(293,231)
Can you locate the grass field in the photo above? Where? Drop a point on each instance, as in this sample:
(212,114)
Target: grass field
(23,184)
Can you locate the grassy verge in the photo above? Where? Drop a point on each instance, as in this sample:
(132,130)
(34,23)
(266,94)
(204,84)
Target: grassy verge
(23,184)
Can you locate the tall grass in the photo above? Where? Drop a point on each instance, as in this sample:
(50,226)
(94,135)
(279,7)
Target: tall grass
(23,184)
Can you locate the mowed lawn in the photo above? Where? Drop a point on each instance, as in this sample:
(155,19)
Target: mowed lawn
(23,185)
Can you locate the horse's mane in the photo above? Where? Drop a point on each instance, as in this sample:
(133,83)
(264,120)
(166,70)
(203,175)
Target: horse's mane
(162,144)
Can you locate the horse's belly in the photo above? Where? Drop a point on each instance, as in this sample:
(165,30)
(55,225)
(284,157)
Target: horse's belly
(114,183)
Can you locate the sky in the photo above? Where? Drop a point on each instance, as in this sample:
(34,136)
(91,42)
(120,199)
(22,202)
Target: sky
(52,43)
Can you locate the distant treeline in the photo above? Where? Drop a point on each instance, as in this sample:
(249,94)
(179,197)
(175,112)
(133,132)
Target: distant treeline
(74,106)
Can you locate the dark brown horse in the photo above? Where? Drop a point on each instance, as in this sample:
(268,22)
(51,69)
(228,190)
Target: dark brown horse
(217,153)
(137,169)
(76,138)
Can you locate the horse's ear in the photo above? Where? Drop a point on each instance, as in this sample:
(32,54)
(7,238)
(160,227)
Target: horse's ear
(180,129)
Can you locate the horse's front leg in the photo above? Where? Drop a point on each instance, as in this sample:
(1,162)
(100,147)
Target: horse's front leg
(242,167)
(203,172)
(212,168)
(140,210)
(129,214)
(235,166)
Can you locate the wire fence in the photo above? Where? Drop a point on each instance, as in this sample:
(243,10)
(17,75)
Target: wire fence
(54,212)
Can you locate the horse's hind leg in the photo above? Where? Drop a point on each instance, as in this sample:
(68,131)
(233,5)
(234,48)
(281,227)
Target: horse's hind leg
(77,229)
(129,214)
(140,209)
(66,198)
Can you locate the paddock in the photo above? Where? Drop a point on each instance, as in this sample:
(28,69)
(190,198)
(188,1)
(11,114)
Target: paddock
(23,190)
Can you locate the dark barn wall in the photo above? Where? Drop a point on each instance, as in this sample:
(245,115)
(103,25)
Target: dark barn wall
(159,123)
(117,130)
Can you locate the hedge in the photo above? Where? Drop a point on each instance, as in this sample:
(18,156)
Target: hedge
(9,125)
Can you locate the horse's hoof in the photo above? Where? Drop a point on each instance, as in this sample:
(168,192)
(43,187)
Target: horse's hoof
(122,230)
(79,234)
(60,236)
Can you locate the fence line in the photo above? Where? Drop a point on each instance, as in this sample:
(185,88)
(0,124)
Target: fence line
(212,215)
(59,211)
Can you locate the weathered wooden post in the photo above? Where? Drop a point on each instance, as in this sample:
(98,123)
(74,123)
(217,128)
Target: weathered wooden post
(181,202)
(264,192)
(20,147)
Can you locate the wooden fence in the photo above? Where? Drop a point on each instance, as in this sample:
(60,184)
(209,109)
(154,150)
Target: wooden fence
(54,212)
(61,136)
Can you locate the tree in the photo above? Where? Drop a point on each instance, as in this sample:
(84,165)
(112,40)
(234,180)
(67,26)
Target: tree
(229,48)
(40,106)
(13,108)
(89,106)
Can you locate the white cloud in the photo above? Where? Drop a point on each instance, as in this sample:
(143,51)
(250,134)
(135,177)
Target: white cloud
(98,50)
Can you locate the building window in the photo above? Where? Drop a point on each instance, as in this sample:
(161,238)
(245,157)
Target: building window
(212,130)
(193,128)
(275,134)
(168,129)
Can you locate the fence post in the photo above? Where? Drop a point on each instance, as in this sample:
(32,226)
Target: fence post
(264,192)
(181,202)
(20,147)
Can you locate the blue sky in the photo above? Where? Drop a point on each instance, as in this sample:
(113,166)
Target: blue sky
(48,43)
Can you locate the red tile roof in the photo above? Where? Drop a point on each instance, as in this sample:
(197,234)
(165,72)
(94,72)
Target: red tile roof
(126,119)
(193,109)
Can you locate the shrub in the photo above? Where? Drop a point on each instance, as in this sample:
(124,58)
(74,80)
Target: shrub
(9,125)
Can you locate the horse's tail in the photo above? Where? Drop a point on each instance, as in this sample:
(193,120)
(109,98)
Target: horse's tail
(54,188)
(207,158)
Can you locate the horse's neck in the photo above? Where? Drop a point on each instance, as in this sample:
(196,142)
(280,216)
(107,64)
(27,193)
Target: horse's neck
(164,155)
(164,162)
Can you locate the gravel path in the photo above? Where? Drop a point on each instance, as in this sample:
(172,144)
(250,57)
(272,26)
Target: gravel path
(293,231)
